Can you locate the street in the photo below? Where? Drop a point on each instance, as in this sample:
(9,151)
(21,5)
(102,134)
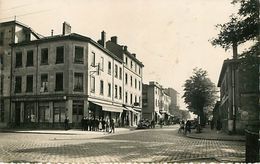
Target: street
(151,145)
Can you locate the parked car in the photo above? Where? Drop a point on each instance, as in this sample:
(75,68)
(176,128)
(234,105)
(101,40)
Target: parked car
(144,124)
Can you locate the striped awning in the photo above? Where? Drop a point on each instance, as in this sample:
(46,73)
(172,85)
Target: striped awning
(109,107)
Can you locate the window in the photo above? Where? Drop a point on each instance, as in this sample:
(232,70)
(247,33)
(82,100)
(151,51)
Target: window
(109,68)
(44,83)
(131,64)
(92,84)
(126,78)
(116,71)
(131,81)
(120,73)
(79,55)
(59,54)
(18,59)
(131,98)
(135,67)
(92,59)
(115,91)
(44,56)
(109,90)
(135,83)
(29,61)
(59,82)
(139,70)
(18,84)
(139,85)
(101,66)
(78,82)
(2,111)
(78,107)
(29,83)
(2,84)
(126,62)
(135,98)
(120,93)
(101,87)
(1,38)
(126,97)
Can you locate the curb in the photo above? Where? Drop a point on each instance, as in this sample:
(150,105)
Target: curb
(216,139)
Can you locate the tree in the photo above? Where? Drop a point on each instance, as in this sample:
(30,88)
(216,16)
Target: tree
(199,93)
(242,27)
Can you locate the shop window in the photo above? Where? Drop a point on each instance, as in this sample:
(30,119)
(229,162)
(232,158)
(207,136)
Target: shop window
(44,56)
(79,55)
(18,59)
(29,83)
(78,82)
(44,112)
(29,61)
(59,82)
(29,112)
(18,84)
(59,112)
(78,107)
(44,83)
(59,54)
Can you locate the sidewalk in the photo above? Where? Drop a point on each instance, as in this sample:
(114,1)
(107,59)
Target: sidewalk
(66,132)
(209,134)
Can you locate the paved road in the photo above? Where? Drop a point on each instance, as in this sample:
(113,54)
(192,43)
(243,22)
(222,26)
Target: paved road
(155,145)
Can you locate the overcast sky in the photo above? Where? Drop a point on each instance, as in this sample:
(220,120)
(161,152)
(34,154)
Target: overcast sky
(170,37)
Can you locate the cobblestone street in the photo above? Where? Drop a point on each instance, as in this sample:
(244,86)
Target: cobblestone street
(153,145)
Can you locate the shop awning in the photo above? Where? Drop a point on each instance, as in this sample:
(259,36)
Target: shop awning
(109,107)
(131,109)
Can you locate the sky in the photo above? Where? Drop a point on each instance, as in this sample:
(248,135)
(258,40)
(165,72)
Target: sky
(170,37)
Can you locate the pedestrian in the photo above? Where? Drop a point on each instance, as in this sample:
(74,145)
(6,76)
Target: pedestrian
(181,129)
(100,125)
(212,124)
(112,126)
(218,126)
(66,123)
(103,125)
(188,127)
(107,126)
(83,123)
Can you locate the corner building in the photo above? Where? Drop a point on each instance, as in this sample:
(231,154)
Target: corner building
(64,76)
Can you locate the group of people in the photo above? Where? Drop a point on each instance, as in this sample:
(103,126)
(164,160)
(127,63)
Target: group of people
(185,127)
(97,125)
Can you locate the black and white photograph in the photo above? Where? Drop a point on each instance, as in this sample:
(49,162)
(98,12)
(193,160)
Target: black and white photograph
(129,81)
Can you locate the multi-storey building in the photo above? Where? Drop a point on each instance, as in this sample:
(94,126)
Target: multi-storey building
(174,106)
(156,102)
(10,32)
(239,94)
(132,75)
(62,76)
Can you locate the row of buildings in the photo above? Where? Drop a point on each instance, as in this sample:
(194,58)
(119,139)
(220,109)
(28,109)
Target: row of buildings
(46,79)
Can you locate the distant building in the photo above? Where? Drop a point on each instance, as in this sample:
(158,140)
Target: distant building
(175,102)
(10,32)
(239,95)
(156,102)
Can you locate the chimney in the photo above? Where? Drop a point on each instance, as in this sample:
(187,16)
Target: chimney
(234,46)
(114,39)
(103,38)
(134,55)
(125,48)
(66,28)
(51,32)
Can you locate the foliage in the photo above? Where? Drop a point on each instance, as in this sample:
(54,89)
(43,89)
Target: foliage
(199,93)
(242,27)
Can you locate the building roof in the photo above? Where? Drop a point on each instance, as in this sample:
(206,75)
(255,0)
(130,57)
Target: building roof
(15,22)
(226,63)
(72,36)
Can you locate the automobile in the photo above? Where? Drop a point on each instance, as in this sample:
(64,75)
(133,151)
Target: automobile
(144,124)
